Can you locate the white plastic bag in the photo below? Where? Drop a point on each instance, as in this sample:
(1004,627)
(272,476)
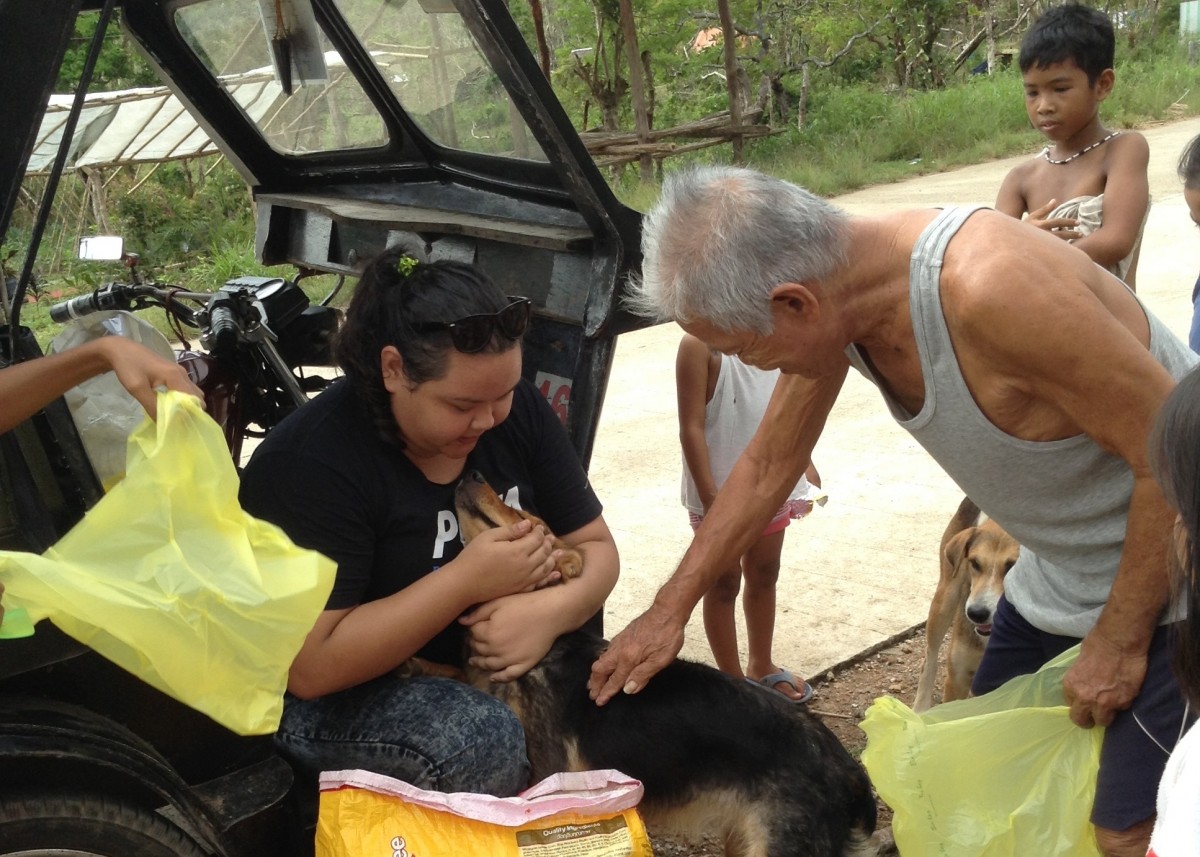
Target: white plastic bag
(105,413)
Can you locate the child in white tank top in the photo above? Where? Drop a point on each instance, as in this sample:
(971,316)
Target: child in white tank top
(721,403)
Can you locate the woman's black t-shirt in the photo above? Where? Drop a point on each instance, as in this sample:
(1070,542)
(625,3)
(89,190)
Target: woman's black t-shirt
(327,479)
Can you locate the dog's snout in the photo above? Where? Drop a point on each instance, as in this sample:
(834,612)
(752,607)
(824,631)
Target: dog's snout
(475,476)
(978,614)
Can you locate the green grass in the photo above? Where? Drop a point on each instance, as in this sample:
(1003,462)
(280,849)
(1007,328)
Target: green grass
(860,135)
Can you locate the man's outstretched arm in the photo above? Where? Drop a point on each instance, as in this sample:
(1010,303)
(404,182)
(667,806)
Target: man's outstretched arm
(767,470)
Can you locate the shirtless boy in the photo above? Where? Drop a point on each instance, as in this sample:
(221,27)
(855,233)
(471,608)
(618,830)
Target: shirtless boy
(1089,185)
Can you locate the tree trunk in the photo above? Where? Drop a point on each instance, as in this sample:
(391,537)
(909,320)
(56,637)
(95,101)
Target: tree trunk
(802,107)
(539,31)
(641,119)
(648,80)
(99,197)
(731,76)
(989,23)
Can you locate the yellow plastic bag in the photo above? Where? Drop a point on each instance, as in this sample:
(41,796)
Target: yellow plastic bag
(167,577)
(1006,774)
(584,814)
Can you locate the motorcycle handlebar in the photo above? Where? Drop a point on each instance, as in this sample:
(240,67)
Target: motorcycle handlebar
(110,297)
(223,322)
(131,297)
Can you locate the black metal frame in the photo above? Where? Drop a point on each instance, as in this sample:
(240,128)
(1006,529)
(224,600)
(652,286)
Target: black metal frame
(332,211)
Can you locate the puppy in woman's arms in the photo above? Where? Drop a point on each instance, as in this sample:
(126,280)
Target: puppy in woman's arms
(714,754)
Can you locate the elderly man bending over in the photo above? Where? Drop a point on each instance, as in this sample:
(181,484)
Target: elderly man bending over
(1030,374)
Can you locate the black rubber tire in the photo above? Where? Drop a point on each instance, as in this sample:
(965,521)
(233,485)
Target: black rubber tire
(87,825)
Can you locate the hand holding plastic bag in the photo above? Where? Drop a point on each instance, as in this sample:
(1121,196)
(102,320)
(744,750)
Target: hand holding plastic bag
(167,577)
(1006,774)
(104,412)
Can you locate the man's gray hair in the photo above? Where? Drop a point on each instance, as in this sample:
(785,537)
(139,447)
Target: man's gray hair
(719,239)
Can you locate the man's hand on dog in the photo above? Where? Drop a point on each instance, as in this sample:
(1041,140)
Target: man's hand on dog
(508,636)
(506,560)
(1104,680)
(648,643)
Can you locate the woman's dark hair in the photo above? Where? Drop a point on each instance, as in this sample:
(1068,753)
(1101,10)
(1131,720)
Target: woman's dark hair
(395,299)
(1175,462)
(1070,32)
(1189,164)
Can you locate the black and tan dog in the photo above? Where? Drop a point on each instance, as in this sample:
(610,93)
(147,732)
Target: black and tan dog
(973,561)
(714,754)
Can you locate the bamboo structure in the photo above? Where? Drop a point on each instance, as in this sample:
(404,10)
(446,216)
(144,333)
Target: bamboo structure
(614,148)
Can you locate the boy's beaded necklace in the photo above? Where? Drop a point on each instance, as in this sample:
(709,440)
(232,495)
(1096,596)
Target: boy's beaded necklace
(1081,152)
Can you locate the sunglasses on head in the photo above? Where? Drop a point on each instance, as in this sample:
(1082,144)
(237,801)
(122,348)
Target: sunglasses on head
(473,332)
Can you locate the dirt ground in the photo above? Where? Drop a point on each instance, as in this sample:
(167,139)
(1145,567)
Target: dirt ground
(841,698)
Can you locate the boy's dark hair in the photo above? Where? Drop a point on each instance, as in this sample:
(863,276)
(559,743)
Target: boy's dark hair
(397,292)
(1070,32)
(1189,164)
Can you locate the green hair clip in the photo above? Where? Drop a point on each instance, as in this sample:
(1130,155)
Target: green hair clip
(405,265)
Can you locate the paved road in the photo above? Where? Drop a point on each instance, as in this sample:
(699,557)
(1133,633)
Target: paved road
(862,569)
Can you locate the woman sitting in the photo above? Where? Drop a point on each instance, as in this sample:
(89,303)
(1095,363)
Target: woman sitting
(365,474)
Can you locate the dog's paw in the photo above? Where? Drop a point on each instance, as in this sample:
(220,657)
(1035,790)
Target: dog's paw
(419,668)
(570,563)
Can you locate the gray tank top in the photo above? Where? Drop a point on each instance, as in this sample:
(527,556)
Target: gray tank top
(1065,501)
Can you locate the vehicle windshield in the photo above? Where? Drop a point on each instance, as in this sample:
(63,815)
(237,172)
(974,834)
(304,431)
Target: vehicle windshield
(277,63)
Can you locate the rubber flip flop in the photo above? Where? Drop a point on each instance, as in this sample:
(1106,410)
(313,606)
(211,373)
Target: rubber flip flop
(785,676)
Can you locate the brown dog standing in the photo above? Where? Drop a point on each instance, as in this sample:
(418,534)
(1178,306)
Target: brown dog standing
(974,558)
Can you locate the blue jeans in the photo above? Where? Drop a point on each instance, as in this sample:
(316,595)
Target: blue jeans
(434,733)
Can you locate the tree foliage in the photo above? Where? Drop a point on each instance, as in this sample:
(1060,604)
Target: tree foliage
(831,67)
(117,67)
(897,44)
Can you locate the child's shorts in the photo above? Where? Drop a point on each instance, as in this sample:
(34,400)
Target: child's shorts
(789,511)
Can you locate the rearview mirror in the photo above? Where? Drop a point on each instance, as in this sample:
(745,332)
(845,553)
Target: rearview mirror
(101,248)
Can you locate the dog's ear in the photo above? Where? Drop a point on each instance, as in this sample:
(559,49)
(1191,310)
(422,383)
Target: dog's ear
(957,548)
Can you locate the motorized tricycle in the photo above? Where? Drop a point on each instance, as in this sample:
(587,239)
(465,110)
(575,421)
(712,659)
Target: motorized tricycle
(355,124)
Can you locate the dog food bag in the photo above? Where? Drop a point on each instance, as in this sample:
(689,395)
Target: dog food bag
(585,814)
(1006,774)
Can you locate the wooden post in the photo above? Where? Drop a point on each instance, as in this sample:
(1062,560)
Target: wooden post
(441,85)
(636,91)
(539,32)
(990,26)
(731,77)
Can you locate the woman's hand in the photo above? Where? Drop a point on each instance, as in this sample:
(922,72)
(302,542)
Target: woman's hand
(143,372)
(509,635)
(506,560)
